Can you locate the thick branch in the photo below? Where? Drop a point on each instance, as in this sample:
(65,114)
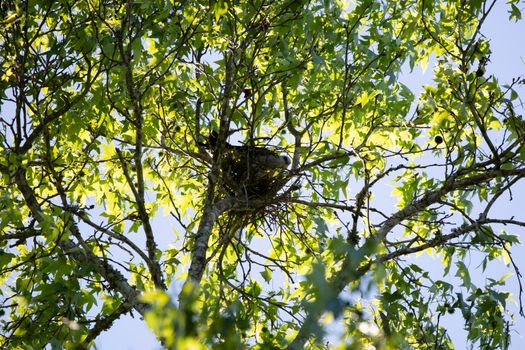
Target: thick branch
(209,217)
(213,211)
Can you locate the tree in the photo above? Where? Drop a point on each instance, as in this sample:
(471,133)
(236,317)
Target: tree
(106,112)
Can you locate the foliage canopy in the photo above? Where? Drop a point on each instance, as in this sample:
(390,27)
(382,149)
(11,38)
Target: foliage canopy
(108,195)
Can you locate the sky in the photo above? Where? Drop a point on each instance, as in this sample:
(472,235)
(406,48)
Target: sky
(506,62)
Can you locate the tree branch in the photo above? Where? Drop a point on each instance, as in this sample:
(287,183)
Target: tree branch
(209,217)
(81,254)
(348,272)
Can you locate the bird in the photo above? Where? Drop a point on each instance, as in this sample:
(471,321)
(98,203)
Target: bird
(248,169)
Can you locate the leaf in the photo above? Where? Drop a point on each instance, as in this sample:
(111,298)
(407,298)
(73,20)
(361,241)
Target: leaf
(463,274)
(515,12)
(219,9)
(424,63)
(510,238)
(266,274)
(6,258)
(158,298)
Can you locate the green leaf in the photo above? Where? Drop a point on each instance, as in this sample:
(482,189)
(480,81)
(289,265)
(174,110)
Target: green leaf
(266,274)
(463,274)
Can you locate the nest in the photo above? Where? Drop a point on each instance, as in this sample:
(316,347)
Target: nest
(253,172)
